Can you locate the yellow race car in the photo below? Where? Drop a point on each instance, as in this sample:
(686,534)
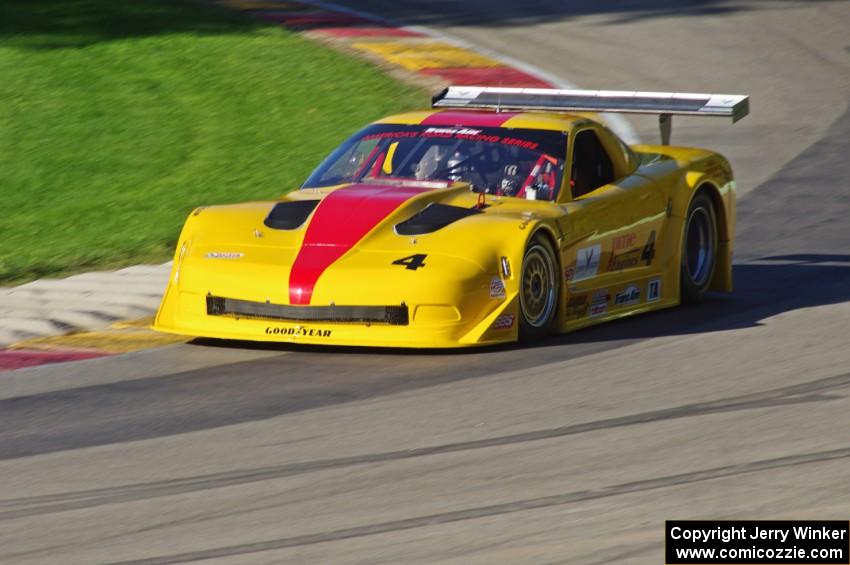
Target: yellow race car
(500,214)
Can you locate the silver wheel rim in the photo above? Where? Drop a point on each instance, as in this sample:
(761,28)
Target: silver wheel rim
(699,246)
(537,295)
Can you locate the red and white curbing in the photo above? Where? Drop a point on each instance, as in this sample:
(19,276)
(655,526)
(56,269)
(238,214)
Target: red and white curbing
(342,22)
(89,304)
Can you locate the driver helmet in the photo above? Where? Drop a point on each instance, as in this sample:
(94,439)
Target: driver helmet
(511,180)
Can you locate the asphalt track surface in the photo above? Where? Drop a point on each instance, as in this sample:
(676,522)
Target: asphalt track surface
(572,451)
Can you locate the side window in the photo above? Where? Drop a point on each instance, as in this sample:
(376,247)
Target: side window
(592,166)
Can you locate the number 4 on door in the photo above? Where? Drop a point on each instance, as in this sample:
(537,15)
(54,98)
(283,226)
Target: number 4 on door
(648,253)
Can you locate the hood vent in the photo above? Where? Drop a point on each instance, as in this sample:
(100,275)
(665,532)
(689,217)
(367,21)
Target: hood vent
(290,214)
(432,218)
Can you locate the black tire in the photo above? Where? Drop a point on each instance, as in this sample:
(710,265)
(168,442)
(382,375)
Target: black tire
(539,289)
(699,248)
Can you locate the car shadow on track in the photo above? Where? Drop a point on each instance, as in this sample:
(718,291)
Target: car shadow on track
(763,288)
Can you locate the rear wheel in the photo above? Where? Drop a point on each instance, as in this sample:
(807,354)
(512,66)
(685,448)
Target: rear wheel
(539,285)
(699,248)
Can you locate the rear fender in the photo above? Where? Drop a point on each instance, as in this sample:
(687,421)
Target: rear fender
(721,189)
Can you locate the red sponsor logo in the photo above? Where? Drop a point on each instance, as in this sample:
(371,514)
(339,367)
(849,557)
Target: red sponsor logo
(626,241)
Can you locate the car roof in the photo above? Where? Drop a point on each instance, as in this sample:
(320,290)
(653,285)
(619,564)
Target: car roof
(489,118)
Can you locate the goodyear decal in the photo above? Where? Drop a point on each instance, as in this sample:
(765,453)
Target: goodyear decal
(298,331)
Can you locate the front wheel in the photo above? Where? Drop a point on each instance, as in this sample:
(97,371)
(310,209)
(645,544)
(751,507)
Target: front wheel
(699,248)
(539,285)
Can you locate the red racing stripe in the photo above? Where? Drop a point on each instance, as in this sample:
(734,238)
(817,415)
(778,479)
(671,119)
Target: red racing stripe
(342,219)
(468,118)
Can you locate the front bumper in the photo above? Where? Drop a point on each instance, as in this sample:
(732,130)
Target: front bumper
(428,325)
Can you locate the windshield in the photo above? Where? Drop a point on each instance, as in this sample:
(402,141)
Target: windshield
(525,163)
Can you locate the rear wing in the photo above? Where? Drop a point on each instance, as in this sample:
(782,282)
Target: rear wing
(664,104)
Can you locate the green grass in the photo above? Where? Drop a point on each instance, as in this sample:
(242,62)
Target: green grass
(117,117)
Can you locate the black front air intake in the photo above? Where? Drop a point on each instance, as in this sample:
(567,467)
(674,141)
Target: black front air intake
(290,214)
(433,217)
(392,315)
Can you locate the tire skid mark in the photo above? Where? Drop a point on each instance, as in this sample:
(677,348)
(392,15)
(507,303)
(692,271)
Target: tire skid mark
(501,509)
(812,391)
